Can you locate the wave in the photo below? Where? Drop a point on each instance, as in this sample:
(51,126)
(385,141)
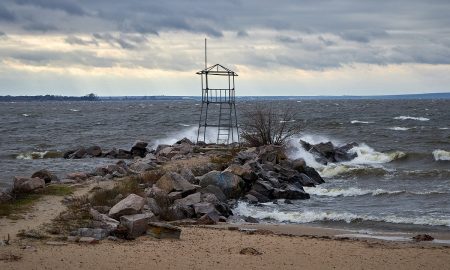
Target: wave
(443,128)
(411,118)
(367,155)
(184,125)
(74,110)
(360,122)
(399,128)
(351,170)
(309,216)
(39,155)
(26,115)
(354,191)
(441,155)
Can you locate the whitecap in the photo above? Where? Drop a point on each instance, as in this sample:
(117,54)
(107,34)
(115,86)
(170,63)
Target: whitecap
(399,128)
(308,216)
(441,155)
(184,125)
(354,191)
(74,110)
(26,115)
(367,155)
(360,122)
(411,118)
(32,155)
(443,128)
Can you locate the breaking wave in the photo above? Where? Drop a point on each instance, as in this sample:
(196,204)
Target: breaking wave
(39,155)
(411,118)
(399,128)
(360,122)
(309,216)
(441,155)
(353,191)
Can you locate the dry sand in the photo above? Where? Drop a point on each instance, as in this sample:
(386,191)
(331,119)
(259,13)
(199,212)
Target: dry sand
(213,248)
(203,248)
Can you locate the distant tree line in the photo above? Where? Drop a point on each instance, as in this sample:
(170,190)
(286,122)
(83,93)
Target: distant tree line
(88,97)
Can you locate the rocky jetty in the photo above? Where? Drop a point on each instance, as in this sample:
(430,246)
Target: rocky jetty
(329,153)
(181,182)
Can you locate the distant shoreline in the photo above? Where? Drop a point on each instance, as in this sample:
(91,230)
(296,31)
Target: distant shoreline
(92,97)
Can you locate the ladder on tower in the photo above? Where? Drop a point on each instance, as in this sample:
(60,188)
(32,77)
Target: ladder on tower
(225,123)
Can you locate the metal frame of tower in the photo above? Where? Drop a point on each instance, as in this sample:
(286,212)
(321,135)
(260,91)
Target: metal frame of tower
(226,123)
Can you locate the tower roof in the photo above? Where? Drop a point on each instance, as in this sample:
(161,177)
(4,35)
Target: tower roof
(217,69)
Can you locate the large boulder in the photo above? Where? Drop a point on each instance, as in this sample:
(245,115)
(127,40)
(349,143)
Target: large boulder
(291,192)
(189,200)
(103,220)
(94,151)
(27,184)
(314,175)
(172,181)
(137,224)
(271,153)
(132,204)
(243,171)
(5,196)
(327,152)
(79,153)
(230,184)
(139,149)
(46,175)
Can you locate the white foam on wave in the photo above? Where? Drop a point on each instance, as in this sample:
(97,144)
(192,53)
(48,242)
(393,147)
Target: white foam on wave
(26,115)
(184,125)
(411,118)
(360,122)
(443,128)
(399,128)
(354,191)
(74,110)
(441,155)
(191,134)
(309,216)
(367,155)
(32,155)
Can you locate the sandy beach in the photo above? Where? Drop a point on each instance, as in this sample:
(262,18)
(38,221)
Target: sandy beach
(203,248)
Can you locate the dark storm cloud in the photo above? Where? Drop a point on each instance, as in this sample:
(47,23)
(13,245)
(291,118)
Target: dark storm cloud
(310,34)
(6,14)
(67,6)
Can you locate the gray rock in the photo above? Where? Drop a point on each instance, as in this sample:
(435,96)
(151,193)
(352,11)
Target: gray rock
(139,166)
(306,181)
(189,176)
(216,191)
(136,224)
(189,200)
(153,206)
(139,145)
(94,151)
(251,220)
(5,196)
(132,204)
(291,192)
(185,141)
(209,218)
(175,195)
(231,185)
(172,181)
(80,153)
(251,199)
(26,184)
(163,230)
(314,175)
(299,165)
(107,222)
(96,233)
(87,240)
(243,171)
(203,208)
(46,175)
(263,187)
(260,197)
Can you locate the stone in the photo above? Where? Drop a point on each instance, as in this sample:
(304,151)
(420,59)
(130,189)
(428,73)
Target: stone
(107,222)
(176,212)
(94,151)
(97,233)
(260,197)
(172,181)
(291,192)
(299,165)
(314,175)
(188,175)
(5,196)
(263,187)
(210,218)
(231,185)
(139,145)
(80,153)
(184,140)
(87,240)
(123,154)
(249,251)
(139,149)
(214,190)
(46,175)
(175,195)
(132,204)
(140,166)
(306,181)
(243,171)
(189,200)
(251,220)
(163,230)
(203,208)
(26,184)
(161,147)
(136,224)
(271,153)
(153,206)
(251,199)
(246,155)
(423,237)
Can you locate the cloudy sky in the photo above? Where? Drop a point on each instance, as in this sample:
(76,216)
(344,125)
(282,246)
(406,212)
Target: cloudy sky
(285,47)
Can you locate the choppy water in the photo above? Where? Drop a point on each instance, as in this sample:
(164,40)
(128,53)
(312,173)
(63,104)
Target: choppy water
(400,180)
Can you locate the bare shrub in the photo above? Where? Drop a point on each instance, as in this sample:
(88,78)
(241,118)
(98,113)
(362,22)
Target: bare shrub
(265,124)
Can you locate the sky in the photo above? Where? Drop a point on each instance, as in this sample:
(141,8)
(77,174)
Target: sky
(285,47)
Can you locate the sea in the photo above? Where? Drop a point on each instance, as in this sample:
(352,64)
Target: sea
(400,180)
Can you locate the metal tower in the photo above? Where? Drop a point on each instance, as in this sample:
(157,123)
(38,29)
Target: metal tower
(218,109)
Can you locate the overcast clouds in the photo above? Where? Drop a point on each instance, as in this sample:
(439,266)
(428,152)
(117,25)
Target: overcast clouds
(140,47)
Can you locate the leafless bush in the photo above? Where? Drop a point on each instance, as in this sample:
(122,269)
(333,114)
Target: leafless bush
(265,124)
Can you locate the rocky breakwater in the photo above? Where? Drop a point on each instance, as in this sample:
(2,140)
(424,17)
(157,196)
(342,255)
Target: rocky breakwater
(139,149)
(327,152)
